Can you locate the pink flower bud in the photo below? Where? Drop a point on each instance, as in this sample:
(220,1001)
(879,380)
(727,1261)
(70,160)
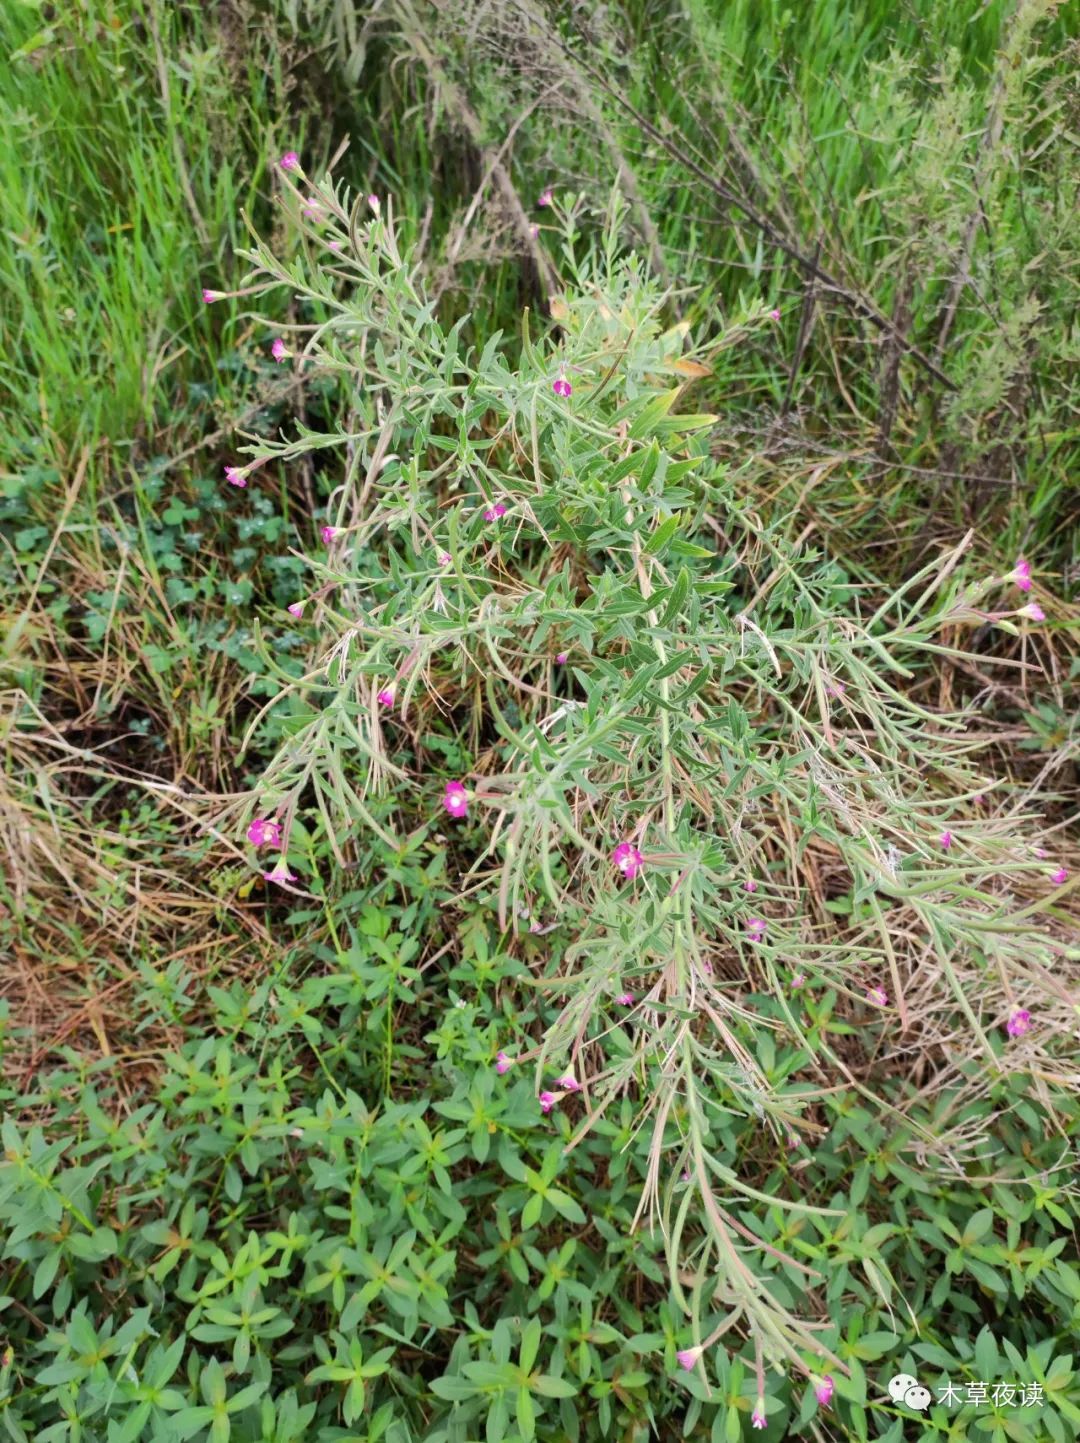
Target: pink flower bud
(547,1101)
(503,1063)
(279,351)
(824,1390)
(562,387)
(328,533)
(236,475)
(688,1357)
(290,161)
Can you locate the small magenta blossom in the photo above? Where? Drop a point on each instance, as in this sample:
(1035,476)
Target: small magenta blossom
(534,231)
(236,475)
(878,996)
(750,885)
(946,841)
(264,832)
(687,1358)
(456,799)
(756,928)
(279,350)
(547,1101)
(503,1063)
(824,1390)
(625,999)
(312,207)
(280,873)
(562,387)
(797,981)
(1033,611)
(374,203)
(1019,1022)
(385,697)
(290,161)
(628,860)
(568,1083)
(444,558)
(561,658)
(757,1417)
(774,314)
(211,296)
(328,533)
(1061,875)
(494,513)
(1021,574)
(545,197)
(334,245)
(296,609)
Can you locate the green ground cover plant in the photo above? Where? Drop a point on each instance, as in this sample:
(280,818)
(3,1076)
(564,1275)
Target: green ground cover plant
(537,829)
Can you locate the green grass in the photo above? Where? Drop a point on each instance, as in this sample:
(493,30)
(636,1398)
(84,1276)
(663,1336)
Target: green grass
(193,1059)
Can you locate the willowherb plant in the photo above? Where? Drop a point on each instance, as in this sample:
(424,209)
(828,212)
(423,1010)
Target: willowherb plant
(677,741)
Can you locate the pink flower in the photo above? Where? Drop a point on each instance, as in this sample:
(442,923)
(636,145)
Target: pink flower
(878,996)
(1019,1022)
(334,245)
(1040,852)
(444,558)
(290,161)
(793,1139)
(280,873)
(774,315)
(568,1083)
(210,296)
(503,1063)
(797,981)
(628,860)
(312,206)
(1033,611)
(561,386)
(236,475)
(493,513)
(1061,875)
(296,609)
(534,231)
(625,999)
(946,841)
(688,1357)
(386,696)
(756,928)
(1021,574)
(750,886)
(545,197)
(373,202)
(279,350)
(978,799)
(561,658)
(263,832)
(824,1390)
(835,688)
(757,1417)
(547,1101)
(328,533)
(456,799)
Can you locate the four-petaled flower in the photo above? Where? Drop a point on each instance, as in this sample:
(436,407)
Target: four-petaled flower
(280,873)
(824,1390)
(493,513)
(878,996)
(328,533)
(688,1357)
(628,859)
(562,387)
(503,1063)
(1022,574)
(561,658)
(1033,611)
(279,350)
(236,475)
(756,928)
(774,314)
(625,999)
(547,1101)
(797,981)
(1019,1022)
(386,696)
(295,608)
(568,1083)
(444,558)
(290,161)
(545,197)
(946,841)
(456,799)
(264,832)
